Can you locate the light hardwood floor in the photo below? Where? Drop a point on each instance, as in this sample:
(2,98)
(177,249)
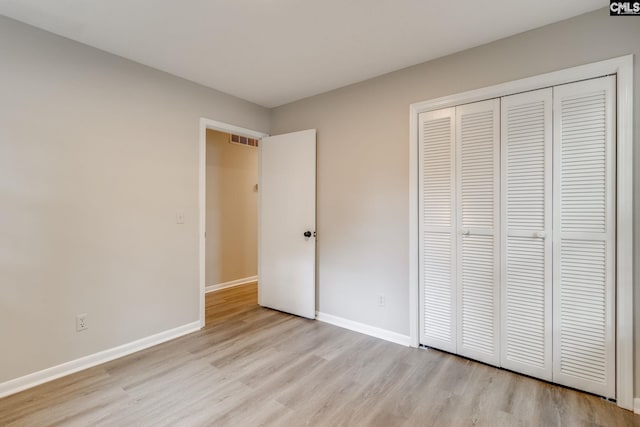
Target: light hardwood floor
(252,366)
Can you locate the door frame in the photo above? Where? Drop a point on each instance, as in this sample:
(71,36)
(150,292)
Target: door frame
(623,68)
(202,194)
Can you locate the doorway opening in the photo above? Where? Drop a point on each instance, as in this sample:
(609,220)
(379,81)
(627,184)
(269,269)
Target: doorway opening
(231,249)
(228,216)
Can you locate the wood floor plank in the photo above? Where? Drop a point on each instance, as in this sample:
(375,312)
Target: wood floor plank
(252,366)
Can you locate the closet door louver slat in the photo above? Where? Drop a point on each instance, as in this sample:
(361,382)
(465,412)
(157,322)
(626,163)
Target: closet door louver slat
(436,227)
(526,151)
(478,164)
(584,243)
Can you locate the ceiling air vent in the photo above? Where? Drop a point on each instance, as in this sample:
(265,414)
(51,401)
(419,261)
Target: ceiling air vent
(243,140)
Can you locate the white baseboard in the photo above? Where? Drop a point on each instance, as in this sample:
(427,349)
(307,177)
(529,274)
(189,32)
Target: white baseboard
(373,331)
(636,405)
(231,284)
(68,368)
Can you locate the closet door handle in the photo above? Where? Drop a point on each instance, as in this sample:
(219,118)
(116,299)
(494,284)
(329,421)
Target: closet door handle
(541,234)
(466,231)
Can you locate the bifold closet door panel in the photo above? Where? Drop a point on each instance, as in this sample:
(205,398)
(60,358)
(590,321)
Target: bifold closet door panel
(478,191)
(526,287)
(436,227)
(584,235)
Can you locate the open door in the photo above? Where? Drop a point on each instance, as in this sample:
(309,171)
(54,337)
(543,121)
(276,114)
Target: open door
(287,223)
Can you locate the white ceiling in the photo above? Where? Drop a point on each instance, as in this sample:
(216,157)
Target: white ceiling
(272,52)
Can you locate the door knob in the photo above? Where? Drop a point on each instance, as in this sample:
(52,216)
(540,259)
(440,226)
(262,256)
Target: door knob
(307,234)
(466,231)
(541,234)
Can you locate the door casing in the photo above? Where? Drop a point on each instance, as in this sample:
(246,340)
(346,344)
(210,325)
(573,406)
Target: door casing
(622,67)
(202,194)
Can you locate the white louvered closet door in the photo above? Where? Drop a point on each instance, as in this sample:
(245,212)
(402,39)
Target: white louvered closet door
(478,191)
(437,230)
(526,151)
(584,236)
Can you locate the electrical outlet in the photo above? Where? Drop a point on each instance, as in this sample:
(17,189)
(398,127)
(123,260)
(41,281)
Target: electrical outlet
(180,218)
(381,300)
(81,322)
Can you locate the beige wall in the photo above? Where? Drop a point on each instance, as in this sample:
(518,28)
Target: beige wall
(363,155)
(232,210)
(97,156)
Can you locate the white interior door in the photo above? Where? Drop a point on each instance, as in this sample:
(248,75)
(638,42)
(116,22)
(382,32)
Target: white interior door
(478,189)
(526,233)
(437,230)
(287,223)
(584,235)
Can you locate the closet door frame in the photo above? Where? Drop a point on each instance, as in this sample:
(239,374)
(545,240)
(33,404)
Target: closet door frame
(622,67)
